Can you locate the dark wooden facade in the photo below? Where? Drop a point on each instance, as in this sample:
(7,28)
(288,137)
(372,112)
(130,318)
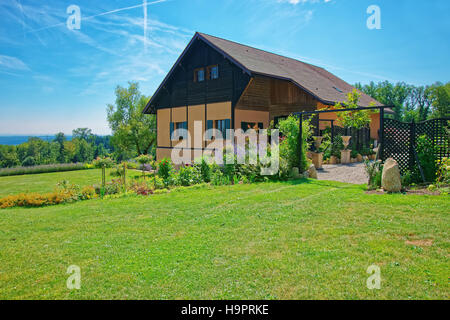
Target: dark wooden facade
(181,90)
(278,97)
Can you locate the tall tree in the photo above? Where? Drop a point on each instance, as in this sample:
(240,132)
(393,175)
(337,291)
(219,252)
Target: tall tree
(60,138)
(418,104)
(440,95)
(133,131)
(82,133)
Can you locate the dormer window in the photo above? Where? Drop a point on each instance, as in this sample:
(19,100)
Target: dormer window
(199,75)
(213,72)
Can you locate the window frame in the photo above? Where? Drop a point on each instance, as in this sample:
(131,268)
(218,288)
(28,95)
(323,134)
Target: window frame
(209,72)
(196,73)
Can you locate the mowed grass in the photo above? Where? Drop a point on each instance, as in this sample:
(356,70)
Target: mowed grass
(47,182)
(295,240)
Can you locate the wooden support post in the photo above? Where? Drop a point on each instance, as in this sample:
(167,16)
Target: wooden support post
(381,147)
(300,144)
(125,176)
(103,176)
(318,125)
(332,131)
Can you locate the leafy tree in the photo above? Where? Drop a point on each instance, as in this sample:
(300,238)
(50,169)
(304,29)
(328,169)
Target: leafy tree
(440,95)
(29,161)
(133,131)
(84,152)
(356,119)
(69,150)
(8,157)
(60,138)
(82,133)
(389,94)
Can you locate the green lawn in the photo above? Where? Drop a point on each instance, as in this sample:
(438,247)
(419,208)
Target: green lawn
(46,182)
(293,240)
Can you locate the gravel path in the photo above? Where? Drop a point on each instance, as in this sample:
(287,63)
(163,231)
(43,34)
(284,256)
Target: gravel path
(350,173)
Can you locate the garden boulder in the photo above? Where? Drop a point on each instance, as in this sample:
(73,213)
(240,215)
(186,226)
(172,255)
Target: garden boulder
(312,172)
(390,179)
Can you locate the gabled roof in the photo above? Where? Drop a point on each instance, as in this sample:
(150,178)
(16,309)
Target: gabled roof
(323,85)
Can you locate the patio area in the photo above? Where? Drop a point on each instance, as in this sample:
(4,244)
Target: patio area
(349,173)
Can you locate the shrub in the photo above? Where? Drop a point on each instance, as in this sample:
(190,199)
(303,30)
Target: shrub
(165,168)
(426,153)
(117,171)
(65,193)
(132,165)
(88,166)
(217,177)
(144,161)
(289,129)
(141,188)
(252,173)
(103,162)
(284,172)
(158,183)
(374,171)
(204,169)
(407,179)
(42,169)
(188,176)
(337,146)
(443,172)
(113,187)
(87,193)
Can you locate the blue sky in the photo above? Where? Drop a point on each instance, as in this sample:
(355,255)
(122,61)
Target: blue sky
(55,79)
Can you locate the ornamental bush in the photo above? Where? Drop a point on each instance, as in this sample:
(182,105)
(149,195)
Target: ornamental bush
(103,162)
(289,148)
(426,152)
(165,168)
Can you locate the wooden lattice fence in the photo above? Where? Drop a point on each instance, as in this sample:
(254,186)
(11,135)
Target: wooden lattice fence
(400,140)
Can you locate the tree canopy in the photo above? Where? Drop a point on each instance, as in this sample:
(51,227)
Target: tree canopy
(132,131)
(411,102)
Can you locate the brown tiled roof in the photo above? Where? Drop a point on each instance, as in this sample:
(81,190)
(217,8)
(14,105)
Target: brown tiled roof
(317,81)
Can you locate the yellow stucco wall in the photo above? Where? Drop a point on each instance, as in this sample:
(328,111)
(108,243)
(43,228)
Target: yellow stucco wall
(250,116)
(163,127)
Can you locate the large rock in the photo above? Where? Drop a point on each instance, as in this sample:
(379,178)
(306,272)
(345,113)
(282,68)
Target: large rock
(390,179)
(312,172)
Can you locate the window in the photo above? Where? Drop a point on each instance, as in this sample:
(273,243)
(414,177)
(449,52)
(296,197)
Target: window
(199,75)
(221,125)
(175,126)
(213,72)
(210,73)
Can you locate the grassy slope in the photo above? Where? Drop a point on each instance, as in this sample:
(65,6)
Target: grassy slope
(304,239)
(46,182)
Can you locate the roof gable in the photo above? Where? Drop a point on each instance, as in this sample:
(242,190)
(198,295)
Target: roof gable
(315,80)
(318,82)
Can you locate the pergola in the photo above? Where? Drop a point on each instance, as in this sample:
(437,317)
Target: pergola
(318,112)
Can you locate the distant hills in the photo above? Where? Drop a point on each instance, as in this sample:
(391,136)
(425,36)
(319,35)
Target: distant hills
(16,140)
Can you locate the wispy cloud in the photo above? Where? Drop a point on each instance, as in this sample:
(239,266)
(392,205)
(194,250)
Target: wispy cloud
(295,2)
(13,63)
